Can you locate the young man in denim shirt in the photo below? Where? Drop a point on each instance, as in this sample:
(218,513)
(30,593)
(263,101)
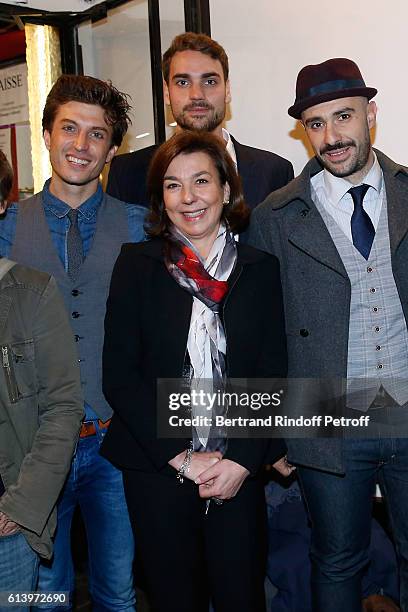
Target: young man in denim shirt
(74,231)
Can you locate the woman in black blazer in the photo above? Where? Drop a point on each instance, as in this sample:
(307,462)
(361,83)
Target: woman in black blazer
(192,304)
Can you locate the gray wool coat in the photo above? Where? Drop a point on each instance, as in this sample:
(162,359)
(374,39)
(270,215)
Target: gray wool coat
(316,287)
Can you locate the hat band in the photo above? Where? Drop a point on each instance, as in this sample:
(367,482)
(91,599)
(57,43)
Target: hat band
(336,86)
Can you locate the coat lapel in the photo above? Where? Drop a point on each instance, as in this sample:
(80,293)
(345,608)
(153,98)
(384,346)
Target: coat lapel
(171,309)
(310,234)
(306,229)
(245,170)
(396,187)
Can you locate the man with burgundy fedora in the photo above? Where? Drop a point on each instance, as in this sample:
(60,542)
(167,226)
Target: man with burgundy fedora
(340,232)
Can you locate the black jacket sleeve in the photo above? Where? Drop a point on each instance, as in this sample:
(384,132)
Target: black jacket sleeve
(128,387)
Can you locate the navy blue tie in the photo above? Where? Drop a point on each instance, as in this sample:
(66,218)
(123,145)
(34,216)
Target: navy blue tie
(75,253)
(362,229)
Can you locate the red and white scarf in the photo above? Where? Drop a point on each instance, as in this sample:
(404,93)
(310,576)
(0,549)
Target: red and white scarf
(207,282)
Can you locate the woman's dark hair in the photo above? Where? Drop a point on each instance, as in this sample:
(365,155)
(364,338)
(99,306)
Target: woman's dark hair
(6,178)
(88,90)
(235,213)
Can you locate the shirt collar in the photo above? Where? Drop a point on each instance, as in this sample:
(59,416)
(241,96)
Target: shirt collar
(336,187)
(229,145)
(87,210)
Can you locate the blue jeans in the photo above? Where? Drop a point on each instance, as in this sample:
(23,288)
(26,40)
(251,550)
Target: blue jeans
(288,559)
(18,566)
(340,510)
(96,485)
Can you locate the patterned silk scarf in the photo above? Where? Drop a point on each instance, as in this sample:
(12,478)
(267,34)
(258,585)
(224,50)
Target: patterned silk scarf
(206,344)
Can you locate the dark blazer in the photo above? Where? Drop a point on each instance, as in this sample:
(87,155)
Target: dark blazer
(261,172)
(146,330)
(316,286)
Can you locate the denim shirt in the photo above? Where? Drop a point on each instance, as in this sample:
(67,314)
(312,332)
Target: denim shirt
(56,214)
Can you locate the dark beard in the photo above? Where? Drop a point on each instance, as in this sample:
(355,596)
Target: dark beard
(207,124)
(363,154)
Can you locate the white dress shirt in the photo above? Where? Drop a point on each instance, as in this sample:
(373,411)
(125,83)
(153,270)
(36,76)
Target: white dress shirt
(332,192)
(229,146)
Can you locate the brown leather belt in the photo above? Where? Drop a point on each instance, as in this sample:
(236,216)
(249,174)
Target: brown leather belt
(88,428)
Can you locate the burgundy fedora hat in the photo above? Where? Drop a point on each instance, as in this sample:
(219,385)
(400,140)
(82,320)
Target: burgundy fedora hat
(335,78)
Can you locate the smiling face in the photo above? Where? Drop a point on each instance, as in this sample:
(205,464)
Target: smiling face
(80,145)
(197,91)
(193,198)
(339,132)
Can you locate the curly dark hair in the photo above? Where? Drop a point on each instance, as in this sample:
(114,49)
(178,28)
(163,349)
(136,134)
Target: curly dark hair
(190,41)
(88,90)
(235,213)
(6,178)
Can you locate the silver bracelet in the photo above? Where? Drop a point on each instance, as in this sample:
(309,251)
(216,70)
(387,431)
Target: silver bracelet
(185,466)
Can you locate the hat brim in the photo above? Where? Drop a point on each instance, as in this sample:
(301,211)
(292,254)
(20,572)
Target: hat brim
(297,109)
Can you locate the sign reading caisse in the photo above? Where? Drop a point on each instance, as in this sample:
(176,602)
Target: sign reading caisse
(13,94)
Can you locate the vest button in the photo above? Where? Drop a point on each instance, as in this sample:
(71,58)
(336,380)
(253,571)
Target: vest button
(375,309)
(75,292)
(372,290)
(379,366)
(369,269)
(75,315)
(378,347)
(304,333)
(77,338)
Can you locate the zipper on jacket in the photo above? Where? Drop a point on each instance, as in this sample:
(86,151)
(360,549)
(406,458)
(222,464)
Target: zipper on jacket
(12,387)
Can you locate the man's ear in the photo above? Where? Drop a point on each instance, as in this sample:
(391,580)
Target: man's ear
(371,114)
(111,154)
(3,206)
(166,94)
(227,92)
(47,139)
